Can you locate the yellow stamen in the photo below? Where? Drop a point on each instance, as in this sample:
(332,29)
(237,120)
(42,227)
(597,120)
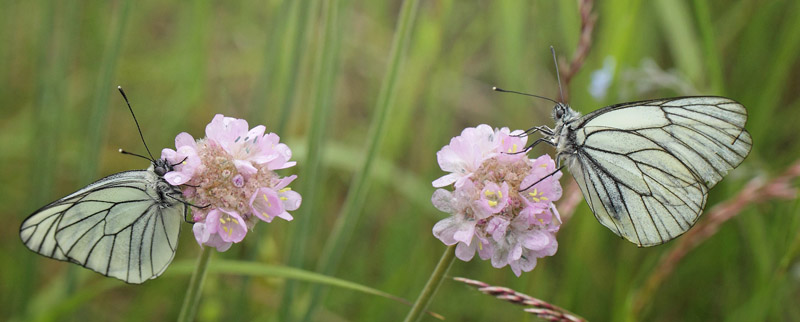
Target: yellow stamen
(488,193)
(222,221)
(541,220)
(492,203)
(284,198)
(285,189)
(543,165)
(544,198)
(500,194)
(535,199)
(235,221)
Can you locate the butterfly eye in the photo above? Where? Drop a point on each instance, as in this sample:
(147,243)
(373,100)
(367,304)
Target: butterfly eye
(160,171)
(161,167)
(559,111)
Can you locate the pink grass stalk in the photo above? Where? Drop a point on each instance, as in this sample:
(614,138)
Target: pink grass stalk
(535,306)
(588,20)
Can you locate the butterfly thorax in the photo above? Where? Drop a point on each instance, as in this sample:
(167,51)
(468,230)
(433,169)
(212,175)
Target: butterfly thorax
(163,193)
(564,134)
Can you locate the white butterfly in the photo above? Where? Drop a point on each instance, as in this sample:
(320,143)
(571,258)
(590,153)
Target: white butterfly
(645,167)
(125,225)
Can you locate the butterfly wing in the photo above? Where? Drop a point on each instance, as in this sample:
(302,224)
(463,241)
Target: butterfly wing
(645,168)
(120,226)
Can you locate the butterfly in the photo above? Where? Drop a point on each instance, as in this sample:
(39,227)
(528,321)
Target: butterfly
(125,225)
(645,168)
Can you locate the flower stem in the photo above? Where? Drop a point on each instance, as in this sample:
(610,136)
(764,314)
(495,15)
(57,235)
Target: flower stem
(434,281)
(192,298)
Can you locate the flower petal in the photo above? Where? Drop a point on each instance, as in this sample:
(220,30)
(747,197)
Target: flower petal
(466,252)
(176,178)
(291,200)
(245,167)
(185,139)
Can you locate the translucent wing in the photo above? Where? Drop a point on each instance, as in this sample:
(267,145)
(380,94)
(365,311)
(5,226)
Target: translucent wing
(645,168)
(120,226)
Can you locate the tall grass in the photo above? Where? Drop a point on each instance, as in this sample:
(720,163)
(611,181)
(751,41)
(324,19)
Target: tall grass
(319,73)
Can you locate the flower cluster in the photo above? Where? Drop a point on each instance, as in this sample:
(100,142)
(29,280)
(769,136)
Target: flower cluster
(495,209)
(230,176)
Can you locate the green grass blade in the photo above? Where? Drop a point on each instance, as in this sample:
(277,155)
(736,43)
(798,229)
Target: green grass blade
(67,305)
(677,24)
(104,87)
(345,224)
(710,49)
(326,68)
(264,270)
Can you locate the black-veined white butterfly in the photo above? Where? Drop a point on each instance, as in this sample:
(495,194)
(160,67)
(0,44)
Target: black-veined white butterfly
(125,225)
(645,168)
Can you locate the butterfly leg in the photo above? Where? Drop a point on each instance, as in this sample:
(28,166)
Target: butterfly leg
(558,168)
(541,128)
(188,204)
(530,146)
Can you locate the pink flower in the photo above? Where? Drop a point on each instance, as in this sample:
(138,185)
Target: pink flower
(547,189)
(221,229)
(494,209)
(229,176)
(204,237)
(493,197)
(268,203)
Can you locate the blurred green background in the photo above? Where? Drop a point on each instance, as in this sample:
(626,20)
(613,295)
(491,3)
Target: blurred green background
(283,63)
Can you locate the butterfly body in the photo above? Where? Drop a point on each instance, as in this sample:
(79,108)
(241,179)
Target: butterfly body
(645,168)
(125,225)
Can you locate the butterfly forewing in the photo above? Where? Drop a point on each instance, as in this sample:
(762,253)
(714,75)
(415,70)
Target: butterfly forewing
(645,168)
(120,226)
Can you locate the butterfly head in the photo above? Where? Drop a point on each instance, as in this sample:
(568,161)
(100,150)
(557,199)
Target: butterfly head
(161,167)
(562,112)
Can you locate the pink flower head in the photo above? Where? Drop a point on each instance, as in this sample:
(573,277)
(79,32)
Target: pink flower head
(230,176)
(493,211)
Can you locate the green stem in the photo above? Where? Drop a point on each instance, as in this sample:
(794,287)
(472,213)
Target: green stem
(432,286)
(189,308)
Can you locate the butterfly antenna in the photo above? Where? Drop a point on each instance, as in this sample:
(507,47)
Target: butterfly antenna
(134,154)
(498,89)
(137,127)
(558,75)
